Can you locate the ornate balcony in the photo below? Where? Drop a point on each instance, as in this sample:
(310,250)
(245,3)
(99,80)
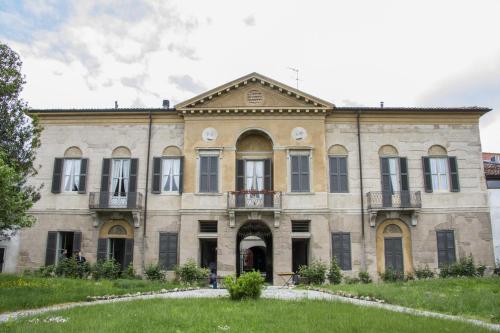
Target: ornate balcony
(110,201)
(409,201)
(254,202)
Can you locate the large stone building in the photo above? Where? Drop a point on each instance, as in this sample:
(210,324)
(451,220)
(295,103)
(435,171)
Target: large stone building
(256,174)
(492,174)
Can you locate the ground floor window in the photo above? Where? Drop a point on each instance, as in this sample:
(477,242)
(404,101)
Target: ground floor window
(121,250)
(61,245)
(446,247)
(300,253)
(168,250)
(341,245)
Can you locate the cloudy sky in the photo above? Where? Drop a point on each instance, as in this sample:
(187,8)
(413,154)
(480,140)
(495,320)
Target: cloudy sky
(405,53)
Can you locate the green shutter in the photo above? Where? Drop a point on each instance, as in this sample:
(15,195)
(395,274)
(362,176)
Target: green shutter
(156,186)
(455,185)
(426,167)
(50,253)
(57,175)
(82,186)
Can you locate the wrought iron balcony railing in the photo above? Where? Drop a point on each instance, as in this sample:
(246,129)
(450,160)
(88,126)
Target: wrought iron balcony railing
(112,200)
(395,200)
(248,199)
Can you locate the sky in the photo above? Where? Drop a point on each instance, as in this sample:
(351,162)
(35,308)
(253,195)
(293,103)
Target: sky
(89,54)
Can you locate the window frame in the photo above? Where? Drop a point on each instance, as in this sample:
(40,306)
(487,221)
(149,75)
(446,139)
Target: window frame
(209,153)
(446,231)
(298,153)
(163,158)
(76,176)
(331,190)
(447,173)
(341,261)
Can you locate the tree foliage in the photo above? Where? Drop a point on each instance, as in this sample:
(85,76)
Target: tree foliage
(19,139)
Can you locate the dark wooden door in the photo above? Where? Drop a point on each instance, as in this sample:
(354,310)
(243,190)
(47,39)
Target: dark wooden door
(394,253)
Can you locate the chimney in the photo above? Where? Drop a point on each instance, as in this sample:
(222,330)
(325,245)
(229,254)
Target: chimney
(382,104)
(166,104)
(116,104)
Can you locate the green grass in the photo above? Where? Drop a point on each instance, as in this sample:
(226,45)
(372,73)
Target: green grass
(28,292)
(473,297)
(224,315)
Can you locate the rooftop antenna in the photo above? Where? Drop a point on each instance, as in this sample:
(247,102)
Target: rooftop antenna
(116,104)
(296,70)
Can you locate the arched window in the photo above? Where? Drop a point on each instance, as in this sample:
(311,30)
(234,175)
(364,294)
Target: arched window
(440,171)
(167,171)
(337,157)
(394,172)
(117,230)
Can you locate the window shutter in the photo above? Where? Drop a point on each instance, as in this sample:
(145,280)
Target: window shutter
(387,190)
(129,253)
(450,246)
(83,175)
(346,251)
(214,174)
(446,247)
(304,173)
(268,182)
(337,247)
(57,175)
(343,183)
(156,186)
(105,174)
(168,250)
(334,174)
(77,242)
(403,167)
(204,174)
(181,175)
(50,253)
(455,185)
(240,175)
(426,166)
(132,183)
(295,173)
(338,174)
(102,249)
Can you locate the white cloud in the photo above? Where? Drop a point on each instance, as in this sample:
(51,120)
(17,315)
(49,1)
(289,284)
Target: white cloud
(249,20)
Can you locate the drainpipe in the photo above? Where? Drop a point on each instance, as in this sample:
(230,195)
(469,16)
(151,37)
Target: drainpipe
(146,193)
(361,195)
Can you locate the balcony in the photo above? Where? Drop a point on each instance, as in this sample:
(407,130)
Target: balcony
(130,201)
(255,203)
(409,201)
(254,200)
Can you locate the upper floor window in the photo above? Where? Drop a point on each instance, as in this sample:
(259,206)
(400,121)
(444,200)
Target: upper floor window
(338,169)
(209,172)
(440,171)
(167,171)
(70,172)
(300,171)
(394,170)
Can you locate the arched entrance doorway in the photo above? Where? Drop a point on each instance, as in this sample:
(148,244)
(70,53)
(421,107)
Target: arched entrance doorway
(116,241)
(394,247)
(254,249)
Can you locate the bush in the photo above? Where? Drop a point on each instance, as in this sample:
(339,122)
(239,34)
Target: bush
(68,267)
(315,273)
(364,277)
(334,274)
(424,273)
(464,267)
(351,280)
(45,271)
(248,285)
(154,272)
(130,273)
(106,269)
(190,273)
(391,275)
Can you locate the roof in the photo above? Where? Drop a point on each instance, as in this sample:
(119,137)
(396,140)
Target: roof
(96,110)
(491,169)
(415,109)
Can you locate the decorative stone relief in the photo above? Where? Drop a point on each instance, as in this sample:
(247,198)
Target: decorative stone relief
(255,97)
(299,133)
(209,134)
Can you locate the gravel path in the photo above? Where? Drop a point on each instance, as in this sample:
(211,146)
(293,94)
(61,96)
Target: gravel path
(269,292)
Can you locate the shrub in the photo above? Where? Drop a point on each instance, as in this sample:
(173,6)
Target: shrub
(130,273)
(464,267)
(364,277)
(67,267)
(190,273)
(106,269)
(314,273)
(351,280)
(334,274)
(248,285)
(45,271)
(424,273)
(154,272)
(391,275)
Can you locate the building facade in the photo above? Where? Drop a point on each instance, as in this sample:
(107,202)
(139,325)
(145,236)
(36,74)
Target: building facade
(255,174)
(492,174)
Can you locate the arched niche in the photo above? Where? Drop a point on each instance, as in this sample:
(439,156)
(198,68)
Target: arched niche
(121,152)
(388,150)
(337,150)
(116,229)
(73,152)
(254,144)
(171,151)
(389,229)
(437,150)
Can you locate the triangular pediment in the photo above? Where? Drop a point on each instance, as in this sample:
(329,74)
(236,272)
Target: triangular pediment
(254,91)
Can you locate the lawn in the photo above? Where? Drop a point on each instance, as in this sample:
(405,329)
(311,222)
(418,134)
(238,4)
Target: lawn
(224,315)
(28,292)
(473,297)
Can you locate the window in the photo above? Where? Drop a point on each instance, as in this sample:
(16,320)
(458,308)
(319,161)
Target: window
(168,250)
(439,173)
(171,174)
(341,245)
(120,177)
(60,245)
(300,172)
(300,226)
(446,247)
(493,184)
(71,177)
(208,226)
(209,174)
(338,174)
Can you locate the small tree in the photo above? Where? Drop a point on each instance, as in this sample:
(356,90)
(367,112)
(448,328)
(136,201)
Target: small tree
(19,139)
(334,274)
